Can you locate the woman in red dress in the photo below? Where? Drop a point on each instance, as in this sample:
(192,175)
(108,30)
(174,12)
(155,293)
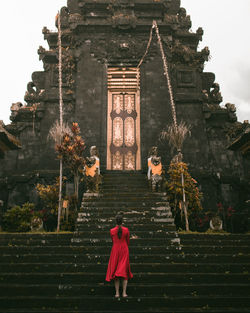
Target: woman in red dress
(119,266)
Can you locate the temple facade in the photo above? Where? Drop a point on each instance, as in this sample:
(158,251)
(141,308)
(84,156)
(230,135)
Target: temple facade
(122,108)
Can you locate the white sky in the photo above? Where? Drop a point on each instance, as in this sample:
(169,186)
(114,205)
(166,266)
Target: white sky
(226,25)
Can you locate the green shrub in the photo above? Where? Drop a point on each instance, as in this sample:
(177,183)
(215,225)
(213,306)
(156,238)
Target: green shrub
(18,219)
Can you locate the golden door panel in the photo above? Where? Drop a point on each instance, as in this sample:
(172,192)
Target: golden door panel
(118,131)
(129,132)
(129,161)
(117,161)
(117,103)
(129,103)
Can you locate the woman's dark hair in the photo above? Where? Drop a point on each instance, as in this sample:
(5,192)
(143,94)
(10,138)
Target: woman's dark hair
(119,222)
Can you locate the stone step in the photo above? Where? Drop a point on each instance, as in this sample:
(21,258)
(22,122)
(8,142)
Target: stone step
(126,214)
(119,199)
(69,235)
(139,278)
(216,242)
(203,236)
(123,204)
(116,190)
(161,241)
(125,199)
(137,290)
(89,241)
(97,234)
(41,235)
(128,183)
(87,234)
(130,304)
(140,183)
(125,180)
(140,310)
(132,181)
(132,227)
(166,268)
(147,221)
(114,207)
(122,209)
(124,194)
(129,189)
(123,175)
(140,233)
(125,186)
(134,249)
(164,258)
(126,177)
(216,249)
(126,210)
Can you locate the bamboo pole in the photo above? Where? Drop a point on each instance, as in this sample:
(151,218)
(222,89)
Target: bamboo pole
(166,73)
(61,118)
(170,90)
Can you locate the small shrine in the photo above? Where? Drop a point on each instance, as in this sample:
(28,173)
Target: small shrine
(242,142)
(7,141)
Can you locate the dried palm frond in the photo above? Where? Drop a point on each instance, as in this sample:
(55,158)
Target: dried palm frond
(176,135)
(56,134)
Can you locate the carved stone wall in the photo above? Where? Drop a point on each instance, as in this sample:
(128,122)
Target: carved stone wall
(91,100)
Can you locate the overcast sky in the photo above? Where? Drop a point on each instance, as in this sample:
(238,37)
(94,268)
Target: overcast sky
(226,25)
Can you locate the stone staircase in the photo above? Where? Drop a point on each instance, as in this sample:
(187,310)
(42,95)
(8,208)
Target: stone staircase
(65,273)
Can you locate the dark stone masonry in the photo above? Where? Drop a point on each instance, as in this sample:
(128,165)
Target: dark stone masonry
(104,36)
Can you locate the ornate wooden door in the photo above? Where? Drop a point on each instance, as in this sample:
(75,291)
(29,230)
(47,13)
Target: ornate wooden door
(123,150)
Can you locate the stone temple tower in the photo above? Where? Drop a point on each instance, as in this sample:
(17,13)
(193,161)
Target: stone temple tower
(122,108)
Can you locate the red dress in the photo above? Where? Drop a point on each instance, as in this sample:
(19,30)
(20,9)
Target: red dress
(119,258)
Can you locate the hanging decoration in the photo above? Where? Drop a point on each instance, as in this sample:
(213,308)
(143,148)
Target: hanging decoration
(176,130)
(166,73)
(165,67)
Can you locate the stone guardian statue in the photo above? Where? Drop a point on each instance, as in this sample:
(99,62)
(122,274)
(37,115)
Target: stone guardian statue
(155,170)
(92,171)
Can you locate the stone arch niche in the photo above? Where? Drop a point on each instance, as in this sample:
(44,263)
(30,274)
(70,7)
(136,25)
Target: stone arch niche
(123,119)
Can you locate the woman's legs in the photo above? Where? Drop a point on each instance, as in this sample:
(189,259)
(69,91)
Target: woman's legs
(117,285)
(124,287)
